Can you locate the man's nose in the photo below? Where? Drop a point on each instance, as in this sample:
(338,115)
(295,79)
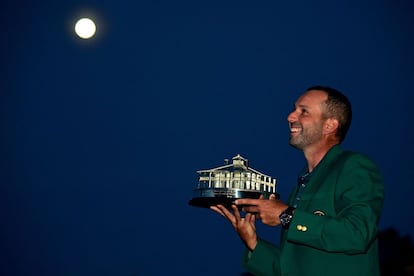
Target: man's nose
(292,117)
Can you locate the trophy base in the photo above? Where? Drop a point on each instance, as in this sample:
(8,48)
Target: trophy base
(208,197)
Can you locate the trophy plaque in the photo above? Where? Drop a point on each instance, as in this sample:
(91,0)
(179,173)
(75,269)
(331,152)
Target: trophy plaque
(224,184)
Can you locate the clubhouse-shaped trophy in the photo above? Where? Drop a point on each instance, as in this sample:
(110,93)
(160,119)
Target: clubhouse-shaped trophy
(224,184)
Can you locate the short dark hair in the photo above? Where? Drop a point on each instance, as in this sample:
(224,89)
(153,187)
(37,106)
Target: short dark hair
(336,106)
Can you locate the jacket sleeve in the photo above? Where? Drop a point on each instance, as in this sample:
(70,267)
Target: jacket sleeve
(352,226)
(264,260)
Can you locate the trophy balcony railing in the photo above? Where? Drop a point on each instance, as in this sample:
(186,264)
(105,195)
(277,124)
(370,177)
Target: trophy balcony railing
(246,184)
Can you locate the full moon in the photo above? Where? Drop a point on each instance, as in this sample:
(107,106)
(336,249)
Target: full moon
(85,28)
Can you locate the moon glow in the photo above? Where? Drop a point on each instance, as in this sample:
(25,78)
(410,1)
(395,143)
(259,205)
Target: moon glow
(85,28)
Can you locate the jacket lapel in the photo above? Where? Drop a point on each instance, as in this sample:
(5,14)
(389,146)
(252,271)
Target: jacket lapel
(322,170)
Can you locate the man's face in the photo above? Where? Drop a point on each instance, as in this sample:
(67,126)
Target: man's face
(305,121)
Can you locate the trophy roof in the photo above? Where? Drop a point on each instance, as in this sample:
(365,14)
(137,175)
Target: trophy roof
(239,163)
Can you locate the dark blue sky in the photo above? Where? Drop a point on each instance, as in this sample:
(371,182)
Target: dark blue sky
(101,139)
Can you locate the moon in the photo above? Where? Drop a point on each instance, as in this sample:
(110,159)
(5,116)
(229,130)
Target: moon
(85,28)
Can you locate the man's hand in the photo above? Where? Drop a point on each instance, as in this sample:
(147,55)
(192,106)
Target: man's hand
(268,210)
(245,227)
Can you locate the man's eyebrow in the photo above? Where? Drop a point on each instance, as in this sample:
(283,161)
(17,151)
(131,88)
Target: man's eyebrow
(302,106)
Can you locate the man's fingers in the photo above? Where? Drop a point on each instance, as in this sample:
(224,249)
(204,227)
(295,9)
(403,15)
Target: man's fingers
(236,212)
(247,201)
(249,205)
(223,211)
(227,214)
(250,217)
(234,217)
(251,209)
(217,210)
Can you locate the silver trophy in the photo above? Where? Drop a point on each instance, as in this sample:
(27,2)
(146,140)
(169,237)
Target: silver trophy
(224,184)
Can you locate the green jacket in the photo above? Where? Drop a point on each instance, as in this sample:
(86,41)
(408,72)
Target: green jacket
(334,228)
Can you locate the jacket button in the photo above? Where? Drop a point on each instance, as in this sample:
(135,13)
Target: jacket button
(299,227)
(304,228)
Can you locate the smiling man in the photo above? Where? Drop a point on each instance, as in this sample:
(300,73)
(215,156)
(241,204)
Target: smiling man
(331,218)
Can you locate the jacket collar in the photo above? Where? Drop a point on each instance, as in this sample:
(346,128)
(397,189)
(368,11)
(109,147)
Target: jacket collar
(319,172)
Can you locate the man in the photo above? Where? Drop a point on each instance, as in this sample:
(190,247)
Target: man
(330,220)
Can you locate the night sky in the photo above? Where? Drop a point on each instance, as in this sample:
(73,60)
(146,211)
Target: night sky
(101,139)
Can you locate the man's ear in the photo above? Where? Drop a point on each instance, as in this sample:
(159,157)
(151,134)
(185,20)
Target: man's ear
(330,126)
